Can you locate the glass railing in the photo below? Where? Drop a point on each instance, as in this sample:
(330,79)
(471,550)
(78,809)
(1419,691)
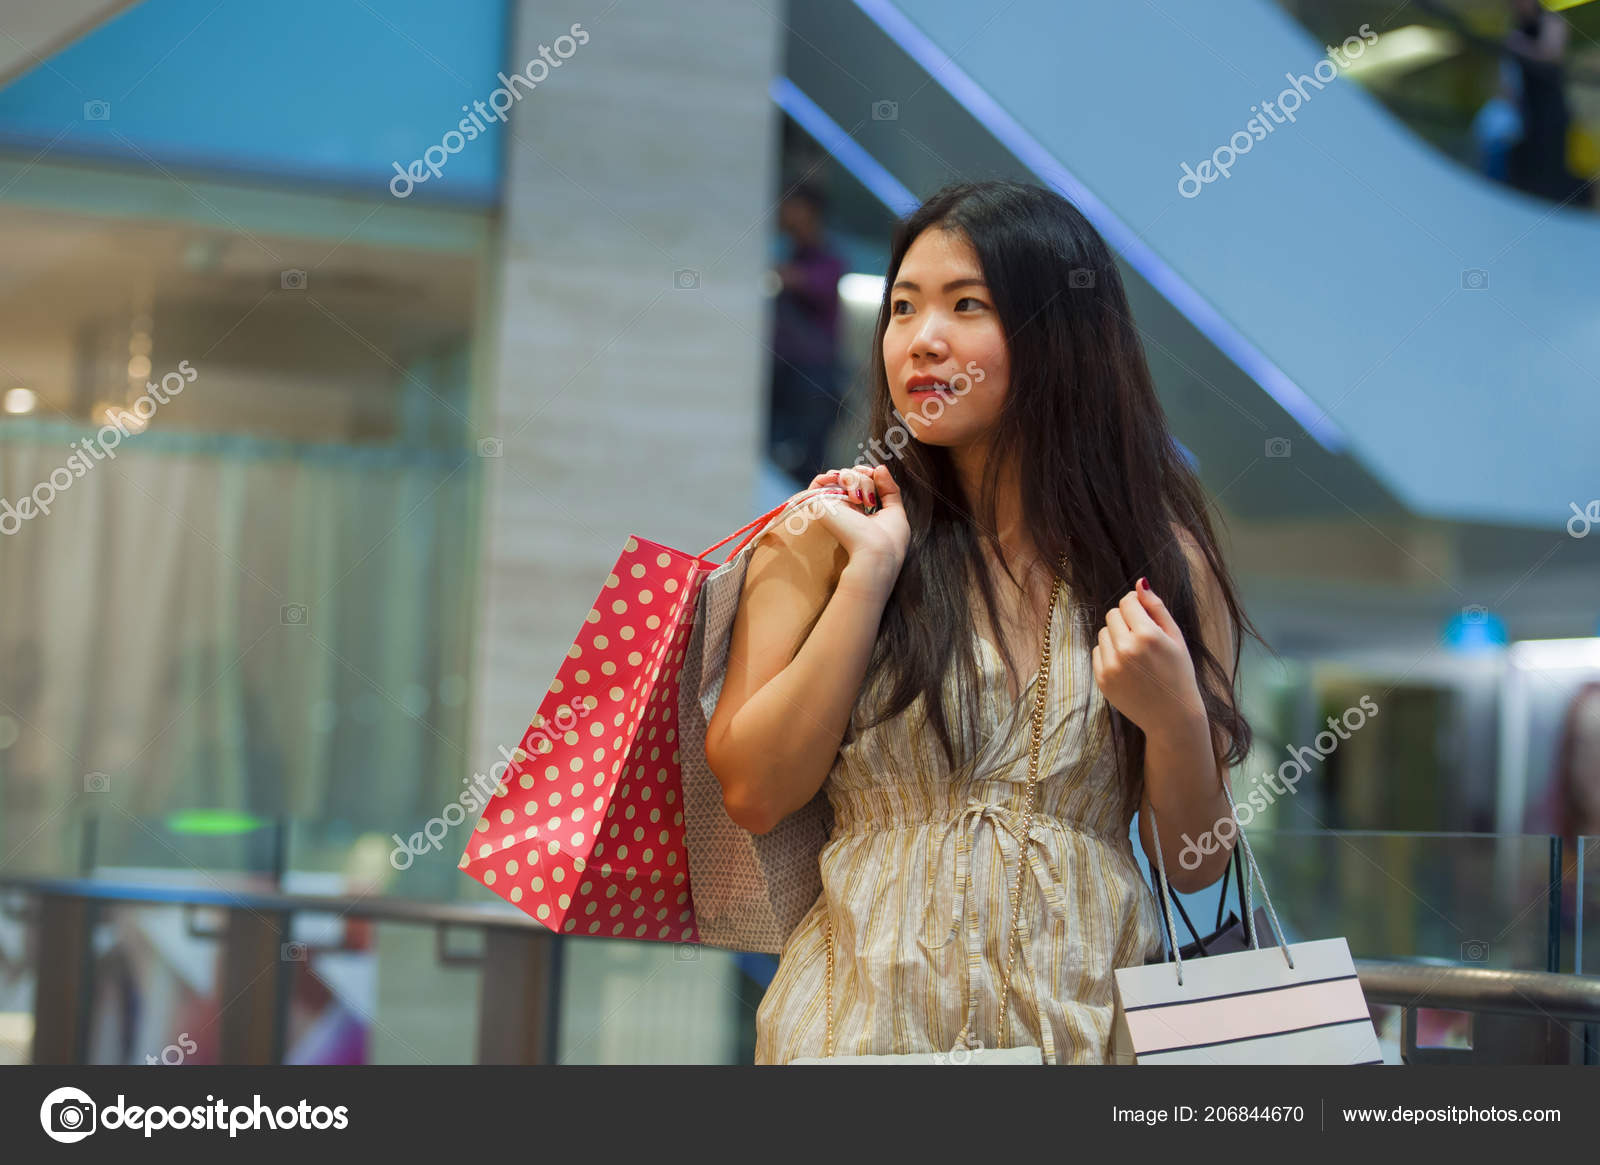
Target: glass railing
(1587,921)
(415,967)
(1477,899)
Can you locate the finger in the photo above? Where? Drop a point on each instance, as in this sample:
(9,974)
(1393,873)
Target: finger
(1117,628)
(1158,610)
(805,497)
(885,486)
(835,515)
(1135,615)
(1105,660)
(863,479)
(833,481)
(861,483)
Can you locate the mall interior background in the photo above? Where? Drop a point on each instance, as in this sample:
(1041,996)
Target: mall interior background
(312,593)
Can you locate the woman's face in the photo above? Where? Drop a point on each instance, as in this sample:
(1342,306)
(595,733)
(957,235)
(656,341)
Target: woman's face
(942,324)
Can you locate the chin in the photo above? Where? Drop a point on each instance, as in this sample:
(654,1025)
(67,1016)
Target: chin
(932,435)
(941,437)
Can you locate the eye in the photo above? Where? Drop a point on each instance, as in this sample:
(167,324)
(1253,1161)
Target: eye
(894,308)
(969,299)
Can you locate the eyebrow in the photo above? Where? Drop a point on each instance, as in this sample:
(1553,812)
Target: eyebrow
(951,286)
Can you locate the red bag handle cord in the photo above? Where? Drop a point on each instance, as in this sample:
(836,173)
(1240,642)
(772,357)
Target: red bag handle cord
(750,529)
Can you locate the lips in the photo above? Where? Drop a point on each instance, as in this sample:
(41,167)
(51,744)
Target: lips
(925,384)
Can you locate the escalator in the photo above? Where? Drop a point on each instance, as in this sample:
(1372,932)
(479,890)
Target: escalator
(1412,338)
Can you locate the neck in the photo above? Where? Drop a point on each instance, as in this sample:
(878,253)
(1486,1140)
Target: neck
(969,462)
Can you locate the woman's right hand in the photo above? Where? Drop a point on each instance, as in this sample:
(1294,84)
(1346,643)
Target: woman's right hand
(875,541)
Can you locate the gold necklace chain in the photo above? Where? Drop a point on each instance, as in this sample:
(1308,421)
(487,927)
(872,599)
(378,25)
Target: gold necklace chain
(1034,744)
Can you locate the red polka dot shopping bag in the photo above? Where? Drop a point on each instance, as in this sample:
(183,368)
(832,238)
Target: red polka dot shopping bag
(585,831)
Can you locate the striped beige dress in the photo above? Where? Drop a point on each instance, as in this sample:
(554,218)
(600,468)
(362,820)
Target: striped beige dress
(918,873)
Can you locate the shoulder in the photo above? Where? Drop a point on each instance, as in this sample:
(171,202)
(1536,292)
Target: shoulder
(800,555)
(1190,544)
(1201,577)
(1215,619)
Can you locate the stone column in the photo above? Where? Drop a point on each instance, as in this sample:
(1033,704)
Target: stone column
(630,354)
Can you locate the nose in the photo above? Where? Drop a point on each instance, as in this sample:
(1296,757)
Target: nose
(929,342)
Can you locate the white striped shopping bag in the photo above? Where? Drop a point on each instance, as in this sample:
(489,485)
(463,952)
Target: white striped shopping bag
(1294,1003)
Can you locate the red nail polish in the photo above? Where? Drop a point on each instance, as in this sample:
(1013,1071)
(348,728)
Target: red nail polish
(1144,584)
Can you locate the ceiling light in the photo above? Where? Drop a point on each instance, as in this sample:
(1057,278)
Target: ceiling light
(1404,50)
(861,290)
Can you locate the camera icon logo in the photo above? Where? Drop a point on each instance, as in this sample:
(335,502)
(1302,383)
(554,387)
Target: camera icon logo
(97,782)
(292,614)
(1475,950)
(686,279)
(97,111)
(885,111)
(68,1115)
(1474,279)
(292,952)
(1277,446)
(1474,614)
(1080,277)
(490,447)
(293,279)
(687,953)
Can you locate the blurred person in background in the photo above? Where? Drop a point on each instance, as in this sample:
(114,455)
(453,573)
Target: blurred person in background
(1537,43)
(804,400)
(1571,806)
(330,1021)
(1497,128)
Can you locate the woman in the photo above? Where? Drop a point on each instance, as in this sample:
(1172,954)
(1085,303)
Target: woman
(885,650)
(1571,805)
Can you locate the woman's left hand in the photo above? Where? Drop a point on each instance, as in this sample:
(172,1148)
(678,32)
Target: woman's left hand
(1143,666)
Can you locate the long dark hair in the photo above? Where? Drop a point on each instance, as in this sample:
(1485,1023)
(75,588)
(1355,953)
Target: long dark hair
(1103,482)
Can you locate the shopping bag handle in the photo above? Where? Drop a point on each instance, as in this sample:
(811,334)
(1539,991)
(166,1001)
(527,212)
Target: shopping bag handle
(1255,876)
(753,530)
(1235,863)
